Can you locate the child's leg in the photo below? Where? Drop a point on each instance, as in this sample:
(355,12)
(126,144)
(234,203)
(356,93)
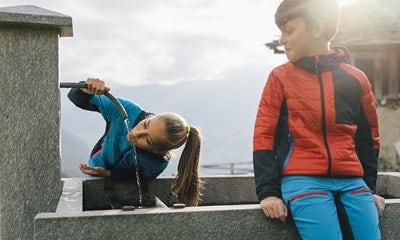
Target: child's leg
(361,211)
(312,205)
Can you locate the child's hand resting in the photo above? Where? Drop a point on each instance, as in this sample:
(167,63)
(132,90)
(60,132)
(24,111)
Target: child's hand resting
(95,171)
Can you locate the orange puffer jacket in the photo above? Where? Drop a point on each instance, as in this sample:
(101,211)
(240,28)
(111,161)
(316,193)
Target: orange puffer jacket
(316,116)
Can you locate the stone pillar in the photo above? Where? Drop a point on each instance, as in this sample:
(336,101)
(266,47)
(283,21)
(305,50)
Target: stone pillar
(29,111)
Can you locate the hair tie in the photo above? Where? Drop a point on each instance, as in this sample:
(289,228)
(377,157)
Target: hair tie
(188,130)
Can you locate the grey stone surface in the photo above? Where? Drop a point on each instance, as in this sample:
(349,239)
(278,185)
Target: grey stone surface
(28,15)
(211,222)
(390,221)
(388,184)
(71,198)
(218,190)
(29,106)
(226,220)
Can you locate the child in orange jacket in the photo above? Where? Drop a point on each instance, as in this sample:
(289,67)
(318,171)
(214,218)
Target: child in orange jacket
(316,131)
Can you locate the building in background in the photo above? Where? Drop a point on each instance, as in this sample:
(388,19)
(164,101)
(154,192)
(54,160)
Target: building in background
(371,30)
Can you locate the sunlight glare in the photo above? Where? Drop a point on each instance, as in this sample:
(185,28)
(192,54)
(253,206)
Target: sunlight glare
(346,2)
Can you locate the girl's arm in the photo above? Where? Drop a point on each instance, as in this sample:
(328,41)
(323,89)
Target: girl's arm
(114,174)
(92,99)
(82,97)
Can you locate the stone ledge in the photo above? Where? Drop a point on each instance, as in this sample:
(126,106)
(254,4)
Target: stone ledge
(29,15)
(209,222)
(225,220)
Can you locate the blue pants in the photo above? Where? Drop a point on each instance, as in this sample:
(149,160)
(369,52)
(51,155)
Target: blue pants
(311,202)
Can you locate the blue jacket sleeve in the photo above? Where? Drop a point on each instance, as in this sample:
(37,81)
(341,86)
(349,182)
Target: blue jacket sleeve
(81,99)
(90,102)
(104,105)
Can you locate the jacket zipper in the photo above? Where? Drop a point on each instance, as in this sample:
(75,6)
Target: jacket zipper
(321,89)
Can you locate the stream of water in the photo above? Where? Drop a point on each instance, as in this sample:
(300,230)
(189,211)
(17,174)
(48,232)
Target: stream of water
(135,160)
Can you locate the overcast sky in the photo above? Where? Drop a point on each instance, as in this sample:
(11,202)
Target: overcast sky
(163,41)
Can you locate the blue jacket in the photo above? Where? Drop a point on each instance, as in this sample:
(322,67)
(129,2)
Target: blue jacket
(116,151)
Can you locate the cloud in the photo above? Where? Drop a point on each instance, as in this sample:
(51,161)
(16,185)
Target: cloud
(155,41)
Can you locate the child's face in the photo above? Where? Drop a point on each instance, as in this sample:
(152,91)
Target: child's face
(147,132)
(297,39)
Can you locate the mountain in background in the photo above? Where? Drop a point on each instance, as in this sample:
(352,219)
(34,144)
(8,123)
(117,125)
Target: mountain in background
(224,110)
(73,151)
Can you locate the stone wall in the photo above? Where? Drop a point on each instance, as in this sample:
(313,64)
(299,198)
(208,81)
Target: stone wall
(229,210)
(29,106)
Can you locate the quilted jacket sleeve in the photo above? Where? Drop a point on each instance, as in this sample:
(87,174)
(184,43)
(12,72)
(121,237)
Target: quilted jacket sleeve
(367,135)
(266,173)
(81,99)
(91,102)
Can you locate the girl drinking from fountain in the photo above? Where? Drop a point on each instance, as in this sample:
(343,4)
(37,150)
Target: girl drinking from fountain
(153,137)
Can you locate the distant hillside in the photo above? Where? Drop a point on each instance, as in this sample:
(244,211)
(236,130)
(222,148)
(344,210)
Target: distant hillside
(73,151)
(223,109)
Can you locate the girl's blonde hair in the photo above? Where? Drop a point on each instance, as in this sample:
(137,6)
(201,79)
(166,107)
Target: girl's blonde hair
(187,184)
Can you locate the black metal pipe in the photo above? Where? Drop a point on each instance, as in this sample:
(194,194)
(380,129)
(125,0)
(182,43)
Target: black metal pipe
(119,106)
(73,85)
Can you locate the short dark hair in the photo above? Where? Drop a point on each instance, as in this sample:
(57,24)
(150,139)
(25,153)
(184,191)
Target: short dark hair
(311,11)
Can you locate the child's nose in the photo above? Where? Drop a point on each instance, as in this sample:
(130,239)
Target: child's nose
(282,40)
(137,133)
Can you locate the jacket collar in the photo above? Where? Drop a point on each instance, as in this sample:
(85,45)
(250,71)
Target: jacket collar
(324,63)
